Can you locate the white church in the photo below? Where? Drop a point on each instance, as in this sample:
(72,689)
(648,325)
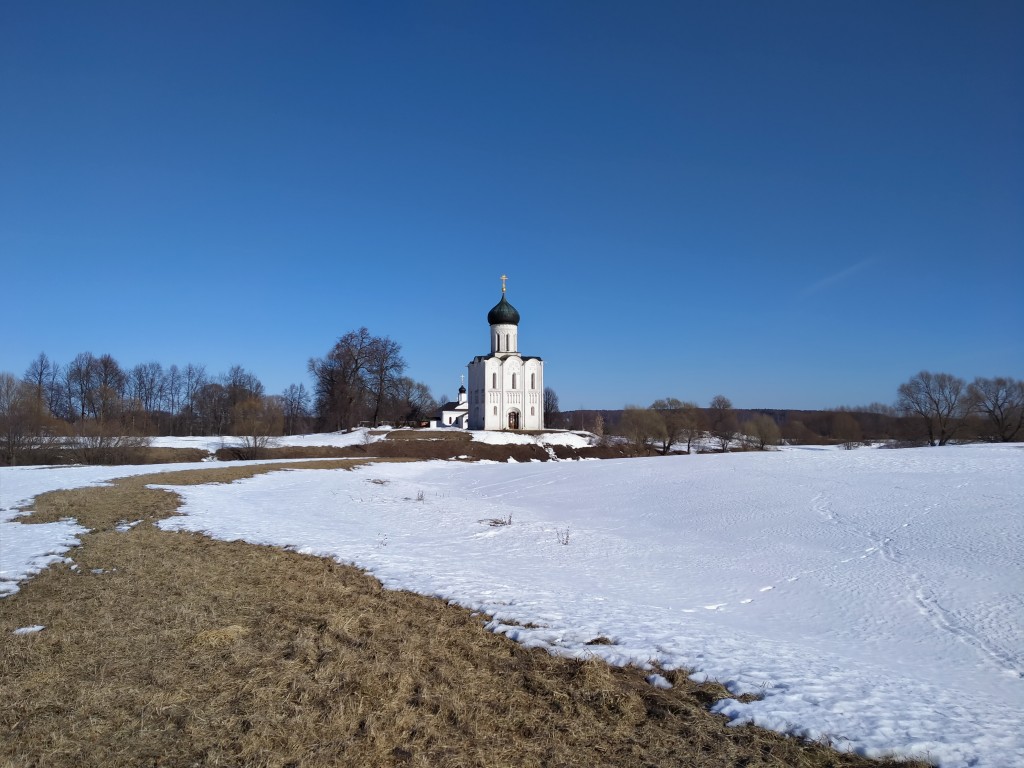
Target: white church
(506,389)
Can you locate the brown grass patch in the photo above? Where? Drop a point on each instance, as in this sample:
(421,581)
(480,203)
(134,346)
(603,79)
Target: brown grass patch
(428,434)
(412,448)
(189,651)
(127,455)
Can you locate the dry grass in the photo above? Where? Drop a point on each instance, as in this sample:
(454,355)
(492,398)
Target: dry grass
(184,651)
(127,455)
(427,434)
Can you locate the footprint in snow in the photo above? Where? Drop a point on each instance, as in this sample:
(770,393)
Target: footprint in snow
(748,600)
(715,607)
(767,589)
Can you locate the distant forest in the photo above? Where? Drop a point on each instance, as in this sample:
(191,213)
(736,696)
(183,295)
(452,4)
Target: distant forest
(930,409)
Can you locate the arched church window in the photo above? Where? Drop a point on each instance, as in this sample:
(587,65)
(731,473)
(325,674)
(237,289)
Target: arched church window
(495,410)
(508,346)
(494,382)
(497,342)
(533,411)
(533,381)
(513,381)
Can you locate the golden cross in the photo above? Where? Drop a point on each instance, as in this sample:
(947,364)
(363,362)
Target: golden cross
(503,279)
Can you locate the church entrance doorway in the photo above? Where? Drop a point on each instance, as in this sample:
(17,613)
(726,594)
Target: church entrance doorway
(513,419)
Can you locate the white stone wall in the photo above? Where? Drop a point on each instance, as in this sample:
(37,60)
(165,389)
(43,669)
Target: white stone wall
(500,385)
(504,339)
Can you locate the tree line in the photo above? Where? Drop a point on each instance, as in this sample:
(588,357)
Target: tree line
(930,409)
(95,403)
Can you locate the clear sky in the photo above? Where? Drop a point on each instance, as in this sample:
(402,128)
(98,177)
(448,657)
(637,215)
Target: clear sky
(795,204)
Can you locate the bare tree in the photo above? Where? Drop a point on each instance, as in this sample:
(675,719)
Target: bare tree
(241,385)
(212,409)
(38,376)
(410,401)
(722,420)
(763,431)
(551,413)
(295,408)
(193,382)
(17,428)
(683,422)
(356,379)
(174,385)
(82,378)
(846,429)
(384,366)
(111,390)
(641,426)
(338,381)
(1001,400)
(939,399)
(146,385)
(257,420)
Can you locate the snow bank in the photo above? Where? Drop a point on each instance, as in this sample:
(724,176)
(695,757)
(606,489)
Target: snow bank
(323,439)
(571,439)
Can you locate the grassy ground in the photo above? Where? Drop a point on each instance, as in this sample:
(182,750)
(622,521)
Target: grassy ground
(172,649)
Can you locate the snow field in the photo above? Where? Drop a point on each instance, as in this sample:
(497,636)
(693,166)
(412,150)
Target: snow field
(873,597)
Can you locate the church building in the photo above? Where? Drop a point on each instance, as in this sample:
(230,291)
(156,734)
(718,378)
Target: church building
(453,414)
(506,389)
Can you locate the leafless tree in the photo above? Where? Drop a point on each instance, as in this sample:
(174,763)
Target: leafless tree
(1001,400)
(939,399)
(684,422)
(338,381)
(173,389)
(642,427)
(410,401)
(295,409)
(722,420)
(17,428)
(82,377)
(846,429)
(38,376)
(193,382)
(241,385)
(146,383)
(384,366)
(355,379)
(257,420)
(551,413)
(670,411)
(762,431)
(212,409)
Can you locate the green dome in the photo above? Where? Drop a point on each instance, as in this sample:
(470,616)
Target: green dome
(503,313)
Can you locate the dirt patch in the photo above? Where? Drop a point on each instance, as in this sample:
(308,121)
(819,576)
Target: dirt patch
(428,434)
(457,447)
(169,648)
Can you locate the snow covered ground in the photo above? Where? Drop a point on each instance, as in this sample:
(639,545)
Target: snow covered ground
(361,436)
(873,596)
(215,443)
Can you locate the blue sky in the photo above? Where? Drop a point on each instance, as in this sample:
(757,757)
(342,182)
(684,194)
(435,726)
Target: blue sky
(795,204)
